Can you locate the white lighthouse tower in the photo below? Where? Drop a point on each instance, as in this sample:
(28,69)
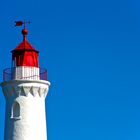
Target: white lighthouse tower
(25,87)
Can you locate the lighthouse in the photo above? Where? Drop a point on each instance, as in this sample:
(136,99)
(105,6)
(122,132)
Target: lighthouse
(25,87)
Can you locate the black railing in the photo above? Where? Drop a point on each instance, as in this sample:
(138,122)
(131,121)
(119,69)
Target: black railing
(10,74)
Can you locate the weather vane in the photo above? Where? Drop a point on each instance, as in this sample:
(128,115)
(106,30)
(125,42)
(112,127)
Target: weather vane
(20,23)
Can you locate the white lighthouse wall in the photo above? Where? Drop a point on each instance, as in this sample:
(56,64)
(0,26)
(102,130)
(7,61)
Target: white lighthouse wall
(25,72)
(28,120)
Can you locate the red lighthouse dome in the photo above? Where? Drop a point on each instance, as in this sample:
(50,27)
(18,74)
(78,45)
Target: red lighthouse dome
(24,54)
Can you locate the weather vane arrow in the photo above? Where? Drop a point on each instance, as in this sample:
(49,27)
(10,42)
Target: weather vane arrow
(20,23)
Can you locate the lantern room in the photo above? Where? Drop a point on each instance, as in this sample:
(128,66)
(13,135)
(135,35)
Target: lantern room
(24,54)
(25,63)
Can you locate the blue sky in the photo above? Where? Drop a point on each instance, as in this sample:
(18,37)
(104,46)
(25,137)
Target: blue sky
(92,52)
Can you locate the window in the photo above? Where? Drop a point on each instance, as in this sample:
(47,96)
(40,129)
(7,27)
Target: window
(15,112)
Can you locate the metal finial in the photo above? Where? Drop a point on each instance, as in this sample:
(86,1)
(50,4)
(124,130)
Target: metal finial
(24,31)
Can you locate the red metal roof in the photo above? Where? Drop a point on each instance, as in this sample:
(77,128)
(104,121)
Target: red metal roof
(24,45)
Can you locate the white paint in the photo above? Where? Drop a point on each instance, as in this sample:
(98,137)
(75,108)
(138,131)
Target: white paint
(25,72)
(30,122)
